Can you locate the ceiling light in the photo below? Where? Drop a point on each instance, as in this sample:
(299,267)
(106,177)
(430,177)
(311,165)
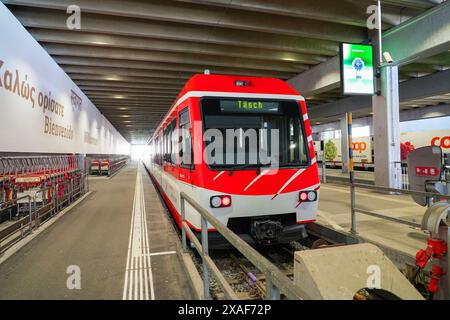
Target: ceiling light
(112,78)
(288,59)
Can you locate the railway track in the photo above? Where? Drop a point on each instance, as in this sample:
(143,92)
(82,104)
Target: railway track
(245,279)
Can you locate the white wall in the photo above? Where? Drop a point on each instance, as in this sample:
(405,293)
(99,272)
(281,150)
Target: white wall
(28,75)
(442,123)
(424,119)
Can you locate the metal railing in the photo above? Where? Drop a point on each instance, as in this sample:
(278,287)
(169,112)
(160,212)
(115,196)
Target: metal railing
(405,178)
(355,209)
(39,209)
(276,281)
(17,165)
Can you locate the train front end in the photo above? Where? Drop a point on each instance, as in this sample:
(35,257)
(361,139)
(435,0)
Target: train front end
(258,172)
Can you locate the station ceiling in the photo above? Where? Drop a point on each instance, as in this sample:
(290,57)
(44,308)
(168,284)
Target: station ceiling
(131,58)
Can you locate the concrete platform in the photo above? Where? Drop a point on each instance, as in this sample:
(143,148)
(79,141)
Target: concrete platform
(360,266)
(336,175)
(100,237)
(334,212)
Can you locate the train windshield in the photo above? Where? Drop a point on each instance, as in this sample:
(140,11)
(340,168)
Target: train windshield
(246,133)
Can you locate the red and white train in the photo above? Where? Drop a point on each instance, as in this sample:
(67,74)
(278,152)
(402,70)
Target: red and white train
(260,203)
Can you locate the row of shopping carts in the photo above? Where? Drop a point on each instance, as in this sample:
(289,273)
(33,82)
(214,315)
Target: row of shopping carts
(26,174)
(108,166)
(33,188)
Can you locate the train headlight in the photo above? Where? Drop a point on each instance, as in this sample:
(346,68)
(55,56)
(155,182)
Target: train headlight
(308,196)
(216,202)
(220,201)
(312,196)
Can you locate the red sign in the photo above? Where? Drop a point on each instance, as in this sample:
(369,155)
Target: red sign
(443,142)
(427,171)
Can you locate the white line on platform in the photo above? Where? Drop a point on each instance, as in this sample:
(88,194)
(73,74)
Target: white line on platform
(325,216)
(138,273)
(162,253)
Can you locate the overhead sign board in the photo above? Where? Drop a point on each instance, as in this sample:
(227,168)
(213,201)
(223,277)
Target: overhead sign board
(357,69)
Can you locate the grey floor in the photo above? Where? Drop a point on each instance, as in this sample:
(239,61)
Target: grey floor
(334,211)
(94,236)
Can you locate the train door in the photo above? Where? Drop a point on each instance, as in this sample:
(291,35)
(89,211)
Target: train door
(185,152)
(169,165)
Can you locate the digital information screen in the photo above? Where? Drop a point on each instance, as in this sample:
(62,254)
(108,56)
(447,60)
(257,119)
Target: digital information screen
(249,106)
(357,69)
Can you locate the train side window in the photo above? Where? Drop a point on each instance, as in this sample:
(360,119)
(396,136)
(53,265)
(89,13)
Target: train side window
(164,143)
(169,142)
(172,141)
(157,151)
(186,152)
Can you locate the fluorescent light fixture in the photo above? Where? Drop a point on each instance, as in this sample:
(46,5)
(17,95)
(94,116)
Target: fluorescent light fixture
(112,78)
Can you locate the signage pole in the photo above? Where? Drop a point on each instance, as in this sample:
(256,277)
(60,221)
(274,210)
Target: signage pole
(351,173)
(380,35)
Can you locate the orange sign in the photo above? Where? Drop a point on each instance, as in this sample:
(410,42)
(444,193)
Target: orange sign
(359,146)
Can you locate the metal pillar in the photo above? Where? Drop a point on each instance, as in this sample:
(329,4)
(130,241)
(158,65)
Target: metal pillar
(183,220)
(272,292)
(344,143)
(351,173)
(204,254)
(386,122)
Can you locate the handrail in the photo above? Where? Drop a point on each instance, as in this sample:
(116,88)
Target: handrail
(276,281)
(355,210)
(402,191)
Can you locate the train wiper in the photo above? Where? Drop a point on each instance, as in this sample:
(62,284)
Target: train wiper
(257,166)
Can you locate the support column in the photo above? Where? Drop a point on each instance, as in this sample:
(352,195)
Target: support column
(344,143)
(386,122)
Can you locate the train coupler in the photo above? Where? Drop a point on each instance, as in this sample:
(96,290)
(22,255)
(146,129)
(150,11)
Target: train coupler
(266,231)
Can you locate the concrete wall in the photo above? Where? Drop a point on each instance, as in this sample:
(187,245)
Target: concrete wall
(41,108)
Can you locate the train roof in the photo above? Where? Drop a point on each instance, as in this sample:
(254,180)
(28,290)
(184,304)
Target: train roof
(228,83)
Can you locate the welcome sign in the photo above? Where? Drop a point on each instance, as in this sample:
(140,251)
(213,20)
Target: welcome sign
(41,108)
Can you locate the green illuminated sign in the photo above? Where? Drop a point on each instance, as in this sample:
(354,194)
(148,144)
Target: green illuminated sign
(357,69)
(240,106)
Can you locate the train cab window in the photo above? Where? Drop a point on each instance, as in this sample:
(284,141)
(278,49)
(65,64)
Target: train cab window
(283,116)
(186,154)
